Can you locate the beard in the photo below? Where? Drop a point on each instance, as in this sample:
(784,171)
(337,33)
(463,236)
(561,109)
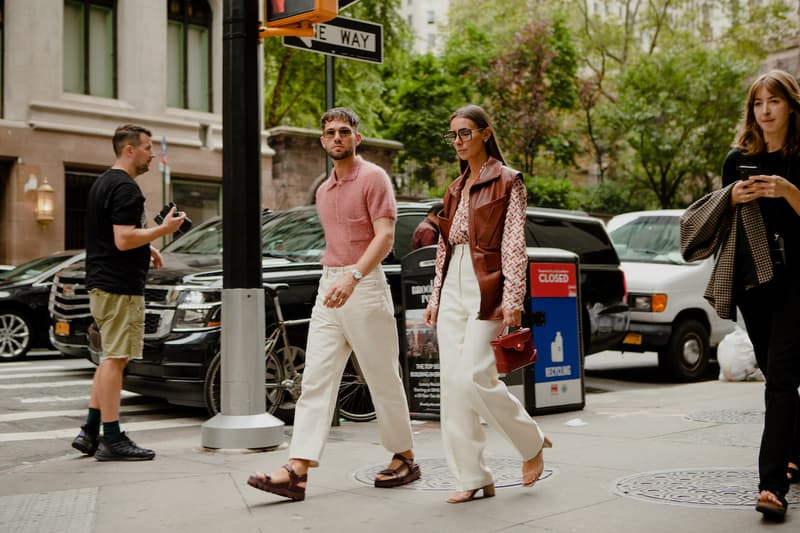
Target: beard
(141,169)
(342,153)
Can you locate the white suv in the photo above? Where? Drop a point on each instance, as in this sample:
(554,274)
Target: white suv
(665,294)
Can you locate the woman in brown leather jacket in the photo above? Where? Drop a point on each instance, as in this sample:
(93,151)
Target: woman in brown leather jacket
(479,288)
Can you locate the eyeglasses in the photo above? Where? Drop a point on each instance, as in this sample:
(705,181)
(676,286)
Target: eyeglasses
(343,133)
(464,134)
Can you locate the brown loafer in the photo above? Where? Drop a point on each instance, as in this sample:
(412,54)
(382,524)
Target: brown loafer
(287,489)
(412,473)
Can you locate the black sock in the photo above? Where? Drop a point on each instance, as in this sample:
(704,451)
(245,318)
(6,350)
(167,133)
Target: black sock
(111,431)
(93,421)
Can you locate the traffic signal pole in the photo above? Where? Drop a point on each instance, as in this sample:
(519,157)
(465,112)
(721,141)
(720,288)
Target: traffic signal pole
(243,422)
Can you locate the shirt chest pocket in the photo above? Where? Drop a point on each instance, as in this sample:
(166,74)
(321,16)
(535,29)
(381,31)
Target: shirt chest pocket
(359,229)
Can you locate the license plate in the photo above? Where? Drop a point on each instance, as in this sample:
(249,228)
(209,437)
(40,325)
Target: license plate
(62,328)
(633,338)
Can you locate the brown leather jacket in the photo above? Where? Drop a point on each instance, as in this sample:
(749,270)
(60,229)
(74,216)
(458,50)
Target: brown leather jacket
(488,202)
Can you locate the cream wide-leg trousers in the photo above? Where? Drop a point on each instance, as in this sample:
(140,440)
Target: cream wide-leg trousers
(470,388)
(366,326)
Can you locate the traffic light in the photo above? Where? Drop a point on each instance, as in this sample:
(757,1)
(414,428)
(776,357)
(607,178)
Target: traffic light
(299,12)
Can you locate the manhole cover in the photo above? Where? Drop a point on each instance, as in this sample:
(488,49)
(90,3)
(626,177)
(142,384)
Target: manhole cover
(722,488)
(728,416)
(436,475)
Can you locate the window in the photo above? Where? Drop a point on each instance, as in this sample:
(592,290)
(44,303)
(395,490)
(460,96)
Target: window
(201,200)
(431,17)
(189,54)
(90,47)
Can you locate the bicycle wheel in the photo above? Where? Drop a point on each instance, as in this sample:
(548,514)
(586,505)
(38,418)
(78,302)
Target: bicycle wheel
(273,384)
(355,401)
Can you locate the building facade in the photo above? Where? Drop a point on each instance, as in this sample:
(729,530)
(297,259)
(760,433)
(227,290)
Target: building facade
(425,18)
(71,71)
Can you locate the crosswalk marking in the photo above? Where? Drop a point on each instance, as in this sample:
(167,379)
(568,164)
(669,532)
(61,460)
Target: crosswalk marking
(40,374)
(63,399)
(42,387)
(47,385)
(128,426)
(30,415)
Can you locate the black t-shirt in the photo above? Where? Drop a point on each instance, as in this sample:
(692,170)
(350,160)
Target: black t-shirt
(115,198)
(779,217)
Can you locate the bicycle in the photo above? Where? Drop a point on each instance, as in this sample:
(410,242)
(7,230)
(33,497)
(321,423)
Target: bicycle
(284,372)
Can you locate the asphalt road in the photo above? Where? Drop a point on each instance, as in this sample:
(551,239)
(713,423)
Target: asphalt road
(43,402)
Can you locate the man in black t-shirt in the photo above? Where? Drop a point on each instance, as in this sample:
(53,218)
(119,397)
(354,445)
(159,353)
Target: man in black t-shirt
(118,255)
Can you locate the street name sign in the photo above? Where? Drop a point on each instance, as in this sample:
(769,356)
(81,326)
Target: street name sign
(343,37)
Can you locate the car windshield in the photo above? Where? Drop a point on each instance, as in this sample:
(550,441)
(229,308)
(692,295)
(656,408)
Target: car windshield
(33,268)
(204,239)
(649,239)
(295,234)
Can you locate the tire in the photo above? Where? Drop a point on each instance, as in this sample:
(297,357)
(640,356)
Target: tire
(273,384)
(16,335)
(355,401)
(687,354)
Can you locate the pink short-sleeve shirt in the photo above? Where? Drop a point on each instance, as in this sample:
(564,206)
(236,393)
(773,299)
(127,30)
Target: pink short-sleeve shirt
(347,206)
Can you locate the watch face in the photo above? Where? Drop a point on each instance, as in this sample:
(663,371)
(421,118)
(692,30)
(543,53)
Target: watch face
(357,275)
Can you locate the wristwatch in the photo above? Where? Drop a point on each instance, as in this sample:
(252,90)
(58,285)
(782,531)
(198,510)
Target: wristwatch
(357,275)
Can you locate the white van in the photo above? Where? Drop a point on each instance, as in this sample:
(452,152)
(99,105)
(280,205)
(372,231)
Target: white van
(665,294)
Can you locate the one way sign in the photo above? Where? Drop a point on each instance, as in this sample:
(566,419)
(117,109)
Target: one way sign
(344,37)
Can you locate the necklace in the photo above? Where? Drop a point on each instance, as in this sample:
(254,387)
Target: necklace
(480,171)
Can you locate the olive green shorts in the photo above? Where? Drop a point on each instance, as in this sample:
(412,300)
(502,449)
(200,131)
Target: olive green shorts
(120,318)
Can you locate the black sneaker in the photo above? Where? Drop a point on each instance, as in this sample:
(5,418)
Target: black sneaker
(86,441)
(123,449)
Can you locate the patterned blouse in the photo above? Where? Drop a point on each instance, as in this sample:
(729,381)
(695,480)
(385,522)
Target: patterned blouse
(512,248)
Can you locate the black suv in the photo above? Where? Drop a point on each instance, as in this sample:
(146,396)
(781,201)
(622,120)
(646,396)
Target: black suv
(182,328)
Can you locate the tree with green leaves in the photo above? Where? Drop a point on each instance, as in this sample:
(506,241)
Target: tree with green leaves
(294,79)
(678,112)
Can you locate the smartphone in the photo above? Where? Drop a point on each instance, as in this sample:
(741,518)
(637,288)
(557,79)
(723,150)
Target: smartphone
(745,171)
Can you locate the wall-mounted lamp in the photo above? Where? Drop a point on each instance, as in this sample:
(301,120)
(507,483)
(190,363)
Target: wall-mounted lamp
(45,203)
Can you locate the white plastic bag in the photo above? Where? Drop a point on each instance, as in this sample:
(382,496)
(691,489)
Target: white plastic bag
(736,358)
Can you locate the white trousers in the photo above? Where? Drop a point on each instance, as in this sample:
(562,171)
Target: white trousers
(470,388)
(366,326)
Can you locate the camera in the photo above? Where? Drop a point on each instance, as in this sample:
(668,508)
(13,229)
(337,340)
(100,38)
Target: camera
(187,223)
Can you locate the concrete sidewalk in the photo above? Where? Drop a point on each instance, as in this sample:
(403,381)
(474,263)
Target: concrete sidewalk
(664,458)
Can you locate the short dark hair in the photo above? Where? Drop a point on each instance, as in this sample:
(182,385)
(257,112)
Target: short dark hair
(435,208)
(340,113)
(128,134)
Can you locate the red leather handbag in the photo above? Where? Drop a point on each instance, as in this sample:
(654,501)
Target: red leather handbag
(514,350)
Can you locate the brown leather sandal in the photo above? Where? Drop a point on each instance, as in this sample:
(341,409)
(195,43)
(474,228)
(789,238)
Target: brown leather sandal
(288,489)
(412,473)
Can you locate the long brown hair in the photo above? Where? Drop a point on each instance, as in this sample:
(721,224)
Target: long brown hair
(783,85)
(480,117)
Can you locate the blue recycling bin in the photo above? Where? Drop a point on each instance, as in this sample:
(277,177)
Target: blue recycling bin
(555,382)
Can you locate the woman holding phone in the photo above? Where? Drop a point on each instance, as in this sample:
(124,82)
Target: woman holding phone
(764,167)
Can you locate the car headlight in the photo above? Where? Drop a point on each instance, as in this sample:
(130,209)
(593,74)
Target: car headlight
(648,303)
(197,310)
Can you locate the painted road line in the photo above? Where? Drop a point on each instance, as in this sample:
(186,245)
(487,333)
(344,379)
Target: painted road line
(42,374)
(47,385)
(56,399)
(129,426)
(31,415)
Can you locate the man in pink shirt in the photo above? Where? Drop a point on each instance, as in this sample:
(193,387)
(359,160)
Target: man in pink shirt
(353,312)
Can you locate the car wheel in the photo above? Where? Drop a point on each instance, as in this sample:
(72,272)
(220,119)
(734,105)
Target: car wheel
(686,356)
(16,335)
(273,384)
